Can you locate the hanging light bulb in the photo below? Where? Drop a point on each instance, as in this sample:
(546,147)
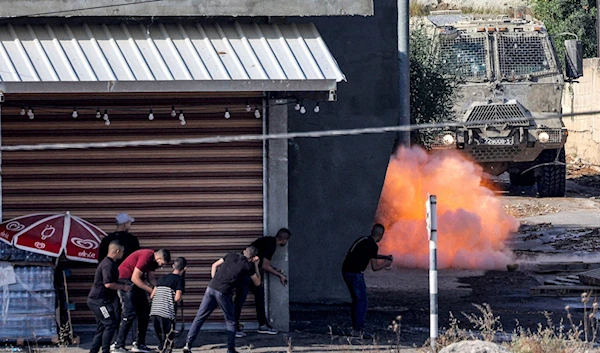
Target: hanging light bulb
(182,122)
(248,107)
(302,109)
(227,114)
(181,116)
(297,106)
(151,115)
(98,114)
(30,114)
(105,116)
(107,122)
(257,113)
(317,108)
(173,112)
(22,112)
(75,114)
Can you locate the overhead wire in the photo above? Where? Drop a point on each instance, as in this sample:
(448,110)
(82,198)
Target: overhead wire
(265,137)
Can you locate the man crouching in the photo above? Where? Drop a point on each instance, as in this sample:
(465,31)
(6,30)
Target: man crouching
(225,274)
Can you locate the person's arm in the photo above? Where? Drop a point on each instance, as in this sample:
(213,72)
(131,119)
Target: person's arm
(268,268)
(138,279)
(118,286)
(153,293)
(215,266)
(178,295)
(256,276)
(152,278)
(378,264)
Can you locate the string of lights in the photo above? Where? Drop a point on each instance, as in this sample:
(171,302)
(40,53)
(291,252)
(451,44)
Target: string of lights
(266,137)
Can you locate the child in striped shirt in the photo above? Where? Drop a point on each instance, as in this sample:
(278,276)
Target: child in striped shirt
(168,291)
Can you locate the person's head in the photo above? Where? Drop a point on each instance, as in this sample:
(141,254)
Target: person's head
(282,236)
(250,252)
(179,265)
(115,250)
(162,257)
(377,232)
(124,221)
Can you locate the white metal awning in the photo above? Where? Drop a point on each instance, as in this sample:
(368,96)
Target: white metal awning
(165,58)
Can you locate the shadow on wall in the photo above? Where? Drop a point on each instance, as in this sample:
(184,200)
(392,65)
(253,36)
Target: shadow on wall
(335,182)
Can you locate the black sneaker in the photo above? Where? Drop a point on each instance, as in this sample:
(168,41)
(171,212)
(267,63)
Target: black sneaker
(267,329)
(140,348)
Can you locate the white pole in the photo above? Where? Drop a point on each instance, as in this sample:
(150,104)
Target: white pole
(433,285)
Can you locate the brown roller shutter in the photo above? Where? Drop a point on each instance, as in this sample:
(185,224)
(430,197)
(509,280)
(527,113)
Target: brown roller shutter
(199,201)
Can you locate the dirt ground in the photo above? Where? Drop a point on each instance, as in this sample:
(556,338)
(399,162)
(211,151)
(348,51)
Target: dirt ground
(556,230)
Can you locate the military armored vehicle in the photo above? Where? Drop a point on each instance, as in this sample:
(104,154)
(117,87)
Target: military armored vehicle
(508,104)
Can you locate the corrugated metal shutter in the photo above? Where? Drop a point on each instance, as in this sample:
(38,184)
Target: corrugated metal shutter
(199,201)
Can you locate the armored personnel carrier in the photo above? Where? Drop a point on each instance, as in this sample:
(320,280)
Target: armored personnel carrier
(508,104)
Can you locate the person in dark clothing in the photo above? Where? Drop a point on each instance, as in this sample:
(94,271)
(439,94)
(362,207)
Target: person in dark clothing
(129,241)
(168,291)
(225,273)
(362,252)
(266,247)
(102,297)
(138,268)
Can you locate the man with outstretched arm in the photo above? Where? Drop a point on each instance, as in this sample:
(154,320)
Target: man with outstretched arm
(101,299)
(138,270)
(225,273)
(266,247)
(362,253)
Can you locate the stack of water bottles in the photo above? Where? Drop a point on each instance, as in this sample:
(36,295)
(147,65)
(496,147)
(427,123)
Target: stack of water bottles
(28,307)
(10,253)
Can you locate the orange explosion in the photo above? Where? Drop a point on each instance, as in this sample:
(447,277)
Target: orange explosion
(472,225)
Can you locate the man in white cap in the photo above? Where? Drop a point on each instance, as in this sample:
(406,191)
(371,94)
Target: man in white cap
(129,241)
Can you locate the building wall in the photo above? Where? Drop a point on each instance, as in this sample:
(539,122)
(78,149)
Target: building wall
(335,182)
(582,97)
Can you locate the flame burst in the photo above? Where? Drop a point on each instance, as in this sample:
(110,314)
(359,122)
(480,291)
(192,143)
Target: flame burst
(472,225)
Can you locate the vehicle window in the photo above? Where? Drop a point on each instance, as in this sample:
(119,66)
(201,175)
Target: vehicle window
(465,56)
(522,54)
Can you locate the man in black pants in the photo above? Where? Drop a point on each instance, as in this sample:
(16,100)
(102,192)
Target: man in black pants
(138,270)
(102,297)
(225,273)
(266,247)
(362,252)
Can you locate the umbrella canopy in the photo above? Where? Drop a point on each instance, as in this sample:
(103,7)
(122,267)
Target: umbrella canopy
(52,234)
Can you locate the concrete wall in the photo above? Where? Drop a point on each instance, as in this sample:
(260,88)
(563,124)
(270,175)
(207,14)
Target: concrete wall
(60,8)
(335,183)
(486,4)
(584,130)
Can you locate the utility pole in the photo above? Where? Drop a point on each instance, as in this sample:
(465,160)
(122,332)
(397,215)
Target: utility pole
(598,27)
(404,67)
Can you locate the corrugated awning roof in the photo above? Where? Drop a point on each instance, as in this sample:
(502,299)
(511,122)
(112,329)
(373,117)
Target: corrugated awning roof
(165,57)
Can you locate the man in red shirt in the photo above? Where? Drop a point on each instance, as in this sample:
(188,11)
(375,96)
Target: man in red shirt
(138,270)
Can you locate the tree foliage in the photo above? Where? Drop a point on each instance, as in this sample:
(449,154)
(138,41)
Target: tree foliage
(574,16)
(431,88)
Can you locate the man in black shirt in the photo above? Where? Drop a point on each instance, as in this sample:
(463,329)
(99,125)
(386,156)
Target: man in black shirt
(129,241)
(266,247)
(102,296)
(225,273)
(362,252)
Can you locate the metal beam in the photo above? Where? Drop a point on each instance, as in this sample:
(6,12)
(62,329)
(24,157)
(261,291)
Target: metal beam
(170,86)
(404,66)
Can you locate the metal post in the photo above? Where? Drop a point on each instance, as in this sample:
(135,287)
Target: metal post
(433,285)
(598,27)
(404,67)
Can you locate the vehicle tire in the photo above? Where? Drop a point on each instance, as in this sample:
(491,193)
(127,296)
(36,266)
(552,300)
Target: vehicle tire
(526,179)
(551,179)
